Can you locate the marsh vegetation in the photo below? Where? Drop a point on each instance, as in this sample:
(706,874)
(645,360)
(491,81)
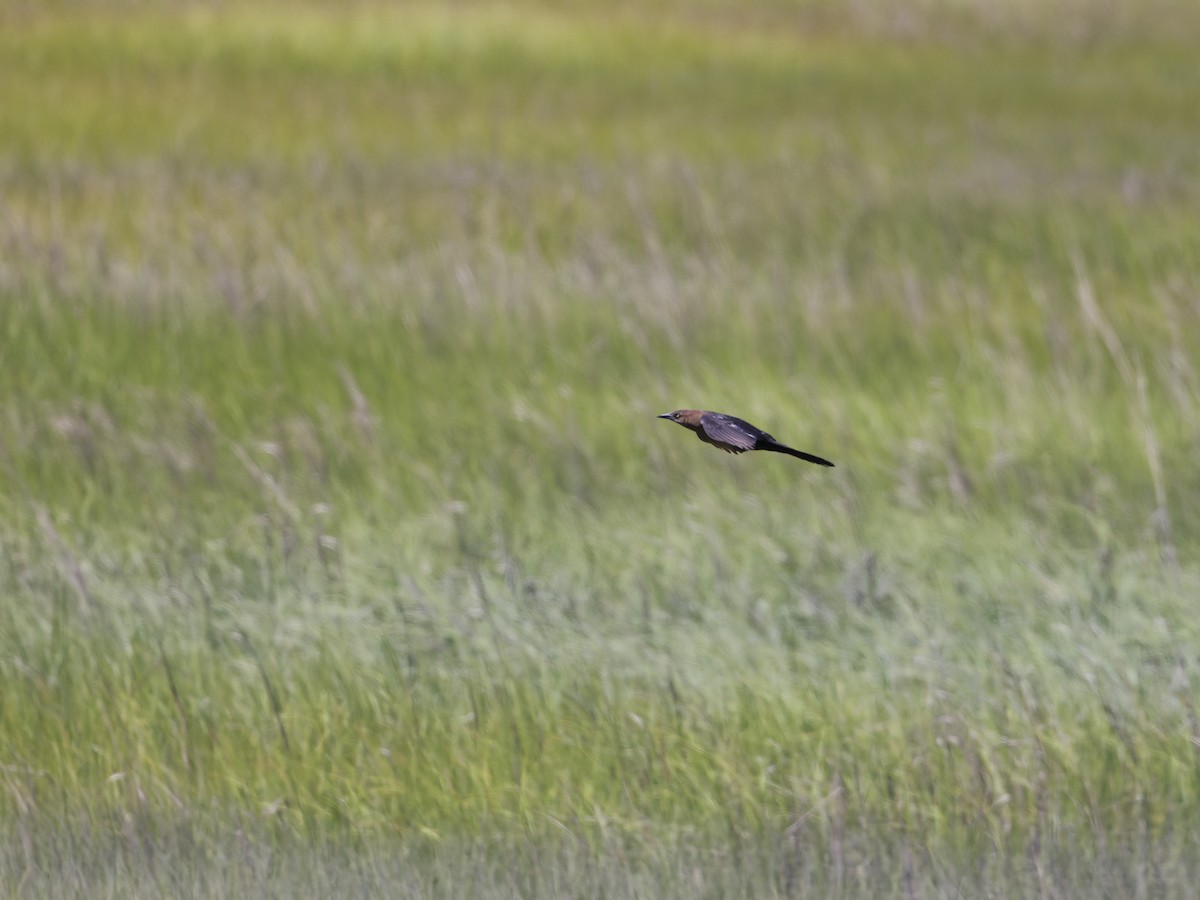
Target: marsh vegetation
(340,550)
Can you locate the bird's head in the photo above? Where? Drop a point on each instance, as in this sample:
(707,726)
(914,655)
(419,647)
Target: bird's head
(688,418)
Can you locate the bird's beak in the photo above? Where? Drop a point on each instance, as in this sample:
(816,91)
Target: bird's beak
(664,416)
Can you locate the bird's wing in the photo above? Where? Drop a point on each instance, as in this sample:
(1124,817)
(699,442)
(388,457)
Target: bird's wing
(723,429)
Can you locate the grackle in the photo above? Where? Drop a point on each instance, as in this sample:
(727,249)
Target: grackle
(734,435)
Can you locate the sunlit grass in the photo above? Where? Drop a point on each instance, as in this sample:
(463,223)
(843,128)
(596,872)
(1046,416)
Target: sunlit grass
(335,514)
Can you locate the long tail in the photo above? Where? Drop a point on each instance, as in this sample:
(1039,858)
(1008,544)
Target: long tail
(777,447)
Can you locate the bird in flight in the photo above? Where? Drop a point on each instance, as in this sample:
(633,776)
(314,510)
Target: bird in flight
(734,435)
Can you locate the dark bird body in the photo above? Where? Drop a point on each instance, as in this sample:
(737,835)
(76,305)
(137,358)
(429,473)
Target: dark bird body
(734,435)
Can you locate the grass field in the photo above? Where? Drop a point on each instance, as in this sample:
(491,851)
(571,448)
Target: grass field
(340,551)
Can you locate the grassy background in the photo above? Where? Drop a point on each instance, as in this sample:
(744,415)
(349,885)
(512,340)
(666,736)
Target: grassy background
(339,549)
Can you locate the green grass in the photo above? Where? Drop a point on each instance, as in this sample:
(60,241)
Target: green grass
(340,549)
